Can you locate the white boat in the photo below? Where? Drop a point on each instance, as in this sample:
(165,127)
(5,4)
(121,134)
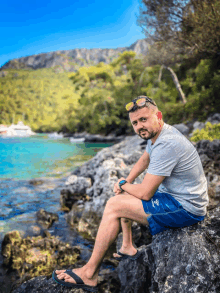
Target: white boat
(55,135)
(76,140)
(18,129)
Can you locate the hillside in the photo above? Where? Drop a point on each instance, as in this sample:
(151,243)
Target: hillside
(37,97)
(71,60)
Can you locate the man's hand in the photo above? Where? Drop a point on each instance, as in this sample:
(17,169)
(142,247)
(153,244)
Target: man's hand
(117,189)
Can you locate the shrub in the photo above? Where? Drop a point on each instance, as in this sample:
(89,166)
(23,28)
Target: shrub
(210,132)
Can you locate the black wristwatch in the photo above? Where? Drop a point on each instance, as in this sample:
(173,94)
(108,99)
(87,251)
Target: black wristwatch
(122,182)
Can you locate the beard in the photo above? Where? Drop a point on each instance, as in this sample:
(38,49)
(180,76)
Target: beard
(146,135)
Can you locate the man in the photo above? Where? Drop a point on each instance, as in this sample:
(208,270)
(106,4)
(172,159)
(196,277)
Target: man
(172,194)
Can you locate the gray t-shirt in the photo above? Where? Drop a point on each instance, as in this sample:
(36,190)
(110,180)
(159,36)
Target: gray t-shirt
(174,156)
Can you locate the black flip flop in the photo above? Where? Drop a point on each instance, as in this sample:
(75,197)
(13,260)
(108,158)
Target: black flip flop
(126,256)
(79,282)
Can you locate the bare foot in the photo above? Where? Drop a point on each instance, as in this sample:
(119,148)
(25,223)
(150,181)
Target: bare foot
(81,272)
(126,250)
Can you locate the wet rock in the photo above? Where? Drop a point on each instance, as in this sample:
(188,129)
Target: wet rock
(10,239)
(36,182)
(75,190)
(46,219)
(35,256)
(34,230)
(85,222)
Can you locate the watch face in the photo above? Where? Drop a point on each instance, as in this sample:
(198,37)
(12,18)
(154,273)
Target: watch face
(122,181)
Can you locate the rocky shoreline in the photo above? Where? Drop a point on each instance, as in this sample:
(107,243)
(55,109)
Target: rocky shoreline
(177,260)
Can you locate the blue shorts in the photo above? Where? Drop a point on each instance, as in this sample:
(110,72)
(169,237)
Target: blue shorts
(166,212)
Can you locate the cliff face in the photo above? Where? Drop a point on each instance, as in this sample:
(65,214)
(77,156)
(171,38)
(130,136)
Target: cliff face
(71,60)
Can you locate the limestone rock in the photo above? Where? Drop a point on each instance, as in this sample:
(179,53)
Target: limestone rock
(75,190)
(179,260)
(46,219)
(214,118)
(198,125)
(71,60)
(182,128)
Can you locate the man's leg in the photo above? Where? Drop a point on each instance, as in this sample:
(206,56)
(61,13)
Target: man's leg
(120,206)
(127,244)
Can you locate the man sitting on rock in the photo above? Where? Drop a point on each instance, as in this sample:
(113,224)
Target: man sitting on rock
(173,193)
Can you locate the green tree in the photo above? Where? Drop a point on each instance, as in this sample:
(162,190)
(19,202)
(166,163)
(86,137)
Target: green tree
(192,26)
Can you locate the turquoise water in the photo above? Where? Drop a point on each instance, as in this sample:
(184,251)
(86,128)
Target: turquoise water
(22,159)
(39,156)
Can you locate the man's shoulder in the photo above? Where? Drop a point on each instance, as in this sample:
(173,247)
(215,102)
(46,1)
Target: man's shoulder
(170,136)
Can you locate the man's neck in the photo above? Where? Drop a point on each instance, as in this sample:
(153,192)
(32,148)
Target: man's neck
(160,129)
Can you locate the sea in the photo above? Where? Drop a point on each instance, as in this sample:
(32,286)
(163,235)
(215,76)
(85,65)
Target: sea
(39,157)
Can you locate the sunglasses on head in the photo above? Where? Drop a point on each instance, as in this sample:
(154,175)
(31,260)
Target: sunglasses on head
(139,102)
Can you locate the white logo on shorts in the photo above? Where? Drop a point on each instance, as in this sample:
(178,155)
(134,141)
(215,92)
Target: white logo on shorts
(155,202)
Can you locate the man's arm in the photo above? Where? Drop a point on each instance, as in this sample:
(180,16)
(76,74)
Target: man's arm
(146,189)
(139,167)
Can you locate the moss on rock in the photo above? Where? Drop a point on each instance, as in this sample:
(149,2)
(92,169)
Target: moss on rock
(35,256)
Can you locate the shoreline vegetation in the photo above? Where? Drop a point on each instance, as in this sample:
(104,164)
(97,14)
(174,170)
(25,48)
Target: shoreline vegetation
(92,99)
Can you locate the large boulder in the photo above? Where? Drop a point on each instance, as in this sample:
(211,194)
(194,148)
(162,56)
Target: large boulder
(177,261)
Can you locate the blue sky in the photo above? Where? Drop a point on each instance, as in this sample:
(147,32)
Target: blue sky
(33,27)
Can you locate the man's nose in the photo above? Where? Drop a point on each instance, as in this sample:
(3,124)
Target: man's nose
(139,125)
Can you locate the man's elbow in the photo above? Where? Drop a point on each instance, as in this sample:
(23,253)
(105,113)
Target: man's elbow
(145,196)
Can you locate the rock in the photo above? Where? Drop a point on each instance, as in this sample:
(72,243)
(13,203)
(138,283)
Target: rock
(34,230)
(36,182)
(102,139)
(217,191)
(178,260)
(198,125)
(210,148)
(75,190)
(214,118)
(10,239)
(182,128)
(42,284)
(108,282)
(35,256)
(71,60)
(46,219)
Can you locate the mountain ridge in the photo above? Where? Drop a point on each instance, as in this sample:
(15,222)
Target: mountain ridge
(71,60)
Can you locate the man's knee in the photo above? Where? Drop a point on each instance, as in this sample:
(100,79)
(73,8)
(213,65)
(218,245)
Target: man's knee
(111,203)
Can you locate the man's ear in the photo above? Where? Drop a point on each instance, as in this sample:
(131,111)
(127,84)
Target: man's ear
(159,115)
